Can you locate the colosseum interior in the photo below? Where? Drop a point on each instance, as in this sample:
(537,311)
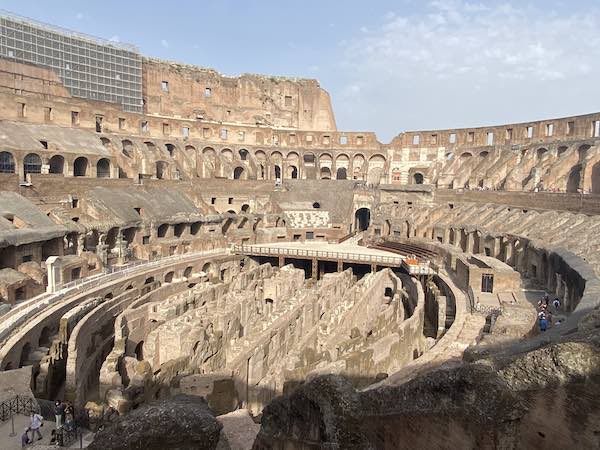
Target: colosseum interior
(223,240)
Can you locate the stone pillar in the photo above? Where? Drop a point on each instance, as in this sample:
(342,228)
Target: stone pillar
(340,265)
(281,261)
(121,246)
(373,268)
(53,267)
(80,243)
(470,243)
(101,249)
(315,269)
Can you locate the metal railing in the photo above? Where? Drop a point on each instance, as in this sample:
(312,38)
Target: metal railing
(19,404)
(293,252)
(16,314)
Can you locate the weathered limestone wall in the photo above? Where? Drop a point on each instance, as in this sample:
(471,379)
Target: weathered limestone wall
(194,92)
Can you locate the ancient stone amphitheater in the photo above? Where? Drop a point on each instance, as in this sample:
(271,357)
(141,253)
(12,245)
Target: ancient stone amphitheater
(169,234)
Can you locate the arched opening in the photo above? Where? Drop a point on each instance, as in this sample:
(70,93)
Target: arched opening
(561,150)
(139,351)
(161,169)
(57,164)
(341,173)
(170,149)
(25,351)
(325,173)
(179,229)
(44,340)
(541,152)
(188,272)
(484,153)
(127,148)
(227,225)
(162,230)
(103,168)
(169,277)
(574,179)
(245,208)
(277,172)
(582,151)
(243,154)
(596,178)
(80,166)
(293,172)
(362,218)
(237,173)
(195,228)
(32,163)
(7,162)
(316,205)
(418,178)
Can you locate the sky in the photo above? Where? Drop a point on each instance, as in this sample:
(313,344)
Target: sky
(389,66)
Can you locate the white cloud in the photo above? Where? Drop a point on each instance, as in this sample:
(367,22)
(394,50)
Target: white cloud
(527,61)
(164,43)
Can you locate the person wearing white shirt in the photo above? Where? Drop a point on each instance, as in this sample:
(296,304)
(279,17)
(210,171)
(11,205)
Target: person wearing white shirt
(36,423)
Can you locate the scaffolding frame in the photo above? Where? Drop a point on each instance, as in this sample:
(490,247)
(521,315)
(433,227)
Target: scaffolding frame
(89,67)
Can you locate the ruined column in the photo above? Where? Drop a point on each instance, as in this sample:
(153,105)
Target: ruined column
(340,265)
(315,269)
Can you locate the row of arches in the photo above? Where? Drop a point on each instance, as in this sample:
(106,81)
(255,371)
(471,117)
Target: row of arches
(32,164)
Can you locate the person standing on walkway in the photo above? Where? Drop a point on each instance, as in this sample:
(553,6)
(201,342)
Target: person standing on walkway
(543,321)
(59,410)
(36,422)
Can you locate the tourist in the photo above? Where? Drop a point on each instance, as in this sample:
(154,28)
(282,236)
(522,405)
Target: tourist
(69,419)
(37,421)
(25,438)
(546,299)
(59,410)
(543,321)
(556,304)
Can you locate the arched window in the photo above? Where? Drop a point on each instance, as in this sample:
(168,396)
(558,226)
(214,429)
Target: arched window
(7,162)
(57,164)
(418,178)
(103,168)
(243,154)
(170,149)
(342,173)
(80,166)
(32,163)
(237,173)
(161,169)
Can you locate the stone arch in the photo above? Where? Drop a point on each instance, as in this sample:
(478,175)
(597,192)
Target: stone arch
(227,154)
(277,172)
(596,178)
(80,167)
(162,230)
(574,178)
(139,351)
(561,150)
(465,155)
(362,219)
(103,168)
(209,153)
(32,163)
(238,173)
(45,337)
(541,152)
(582,151)
(7,162)
(325,173)
(161,169)
(341,174)
(188,271)
(169,276)
(25,352)
(127,148)
(243,154)
(57,164)
(292,172)
(170,149)
(418,178)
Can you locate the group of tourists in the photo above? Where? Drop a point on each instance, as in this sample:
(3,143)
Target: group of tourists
(544,312)
(65,420)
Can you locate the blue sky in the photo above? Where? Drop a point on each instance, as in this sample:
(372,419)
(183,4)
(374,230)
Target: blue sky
(388,65)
